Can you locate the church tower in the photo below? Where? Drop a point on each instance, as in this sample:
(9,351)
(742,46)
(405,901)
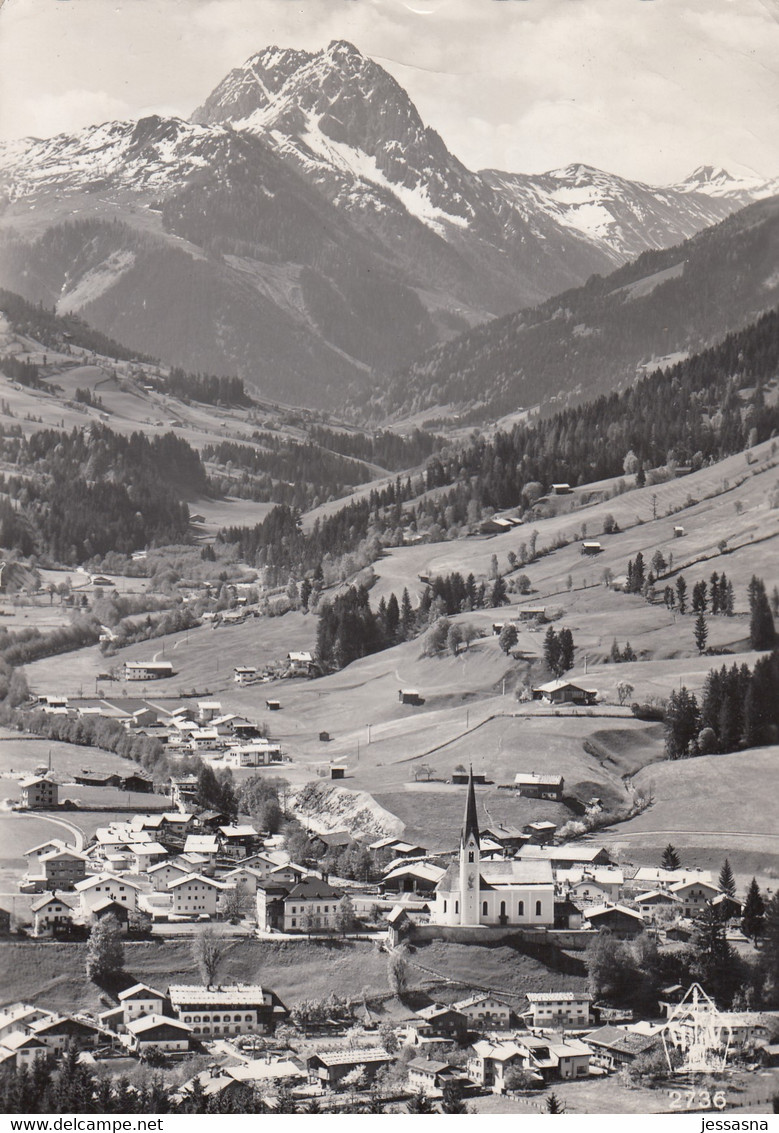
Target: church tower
(469,860)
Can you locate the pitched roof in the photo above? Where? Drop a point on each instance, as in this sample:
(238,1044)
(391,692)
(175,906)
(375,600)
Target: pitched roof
(620,1040)
(556,996)
(47,899)
(248,995)
(352,1057)
(313,888)
(189,877)
(139,991)
(151,1022)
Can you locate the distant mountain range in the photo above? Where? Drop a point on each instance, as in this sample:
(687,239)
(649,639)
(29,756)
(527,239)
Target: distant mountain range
(600,337)
(306,230)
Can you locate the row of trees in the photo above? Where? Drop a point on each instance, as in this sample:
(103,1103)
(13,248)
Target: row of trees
(739,709)
(559,650)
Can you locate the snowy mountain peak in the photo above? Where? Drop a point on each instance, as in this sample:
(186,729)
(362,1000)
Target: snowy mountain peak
(705,174)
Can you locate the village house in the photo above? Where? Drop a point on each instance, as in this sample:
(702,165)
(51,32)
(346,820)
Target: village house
(258,753)
(445,1020)
(244,674)
(140,1000)
(412,877)
(208,710)
(571,1057)
(39,793)
(300,664)
(161,874)
(591,885)
(34,854)
(329,1067)
(568,855)
(694,896)
(311,906)
(147,670)
(615,1047)
(618,919)
(25,1050)
(429,1075)
(94,890)
(565,692)
(235,1009)
(20,1017)
(109,908)
(238,842)
(52,913)
(655,877)
(194,895)
(483,1010)
(531,785)
(551,1010)
(652,904)
(270,898)
(146,854)
(489,1063)
(61,869)
(62,1030)
(205,845)
(159,1032)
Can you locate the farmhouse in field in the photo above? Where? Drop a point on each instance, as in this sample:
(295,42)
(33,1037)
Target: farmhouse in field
(244,674)
(147,670)
(565,692)
(591,547)
(534,786)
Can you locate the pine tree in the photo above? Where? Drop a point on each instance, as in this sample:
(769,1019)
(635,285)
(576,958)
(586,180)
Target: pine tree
(553,1103)
(727,881)
(715,593)
(753,911)
(552,650)
(566,658)
(682,723)
(499,596)
(406,615)
(730,599)
(681,594)
(670,858)
(392,618)
(701,632)
(699,598)
(712,961)
(762,634)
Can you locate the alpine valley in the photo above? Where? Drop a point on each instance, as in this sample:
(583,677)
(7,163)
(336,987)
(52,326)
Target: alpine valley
(307,232)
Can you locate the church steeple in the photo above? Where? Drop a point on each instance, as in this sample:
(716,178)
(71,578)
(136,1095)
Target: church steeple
(470,822)
(469,896)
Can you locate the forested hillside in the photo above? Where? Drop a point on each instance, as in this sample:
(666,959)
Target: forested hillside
(592,340)
(91,492)
(705,408)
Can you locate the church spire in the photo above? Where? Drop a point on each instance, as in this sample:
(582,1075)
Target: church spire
(470,822)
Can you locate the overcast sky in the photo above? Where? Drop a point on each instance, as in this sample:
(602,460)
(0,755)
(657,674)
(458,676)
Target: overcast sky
(645,88)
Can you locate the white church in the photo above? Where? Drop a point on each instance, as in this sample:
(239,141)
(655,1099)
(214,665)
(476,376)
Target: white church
(502,893)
